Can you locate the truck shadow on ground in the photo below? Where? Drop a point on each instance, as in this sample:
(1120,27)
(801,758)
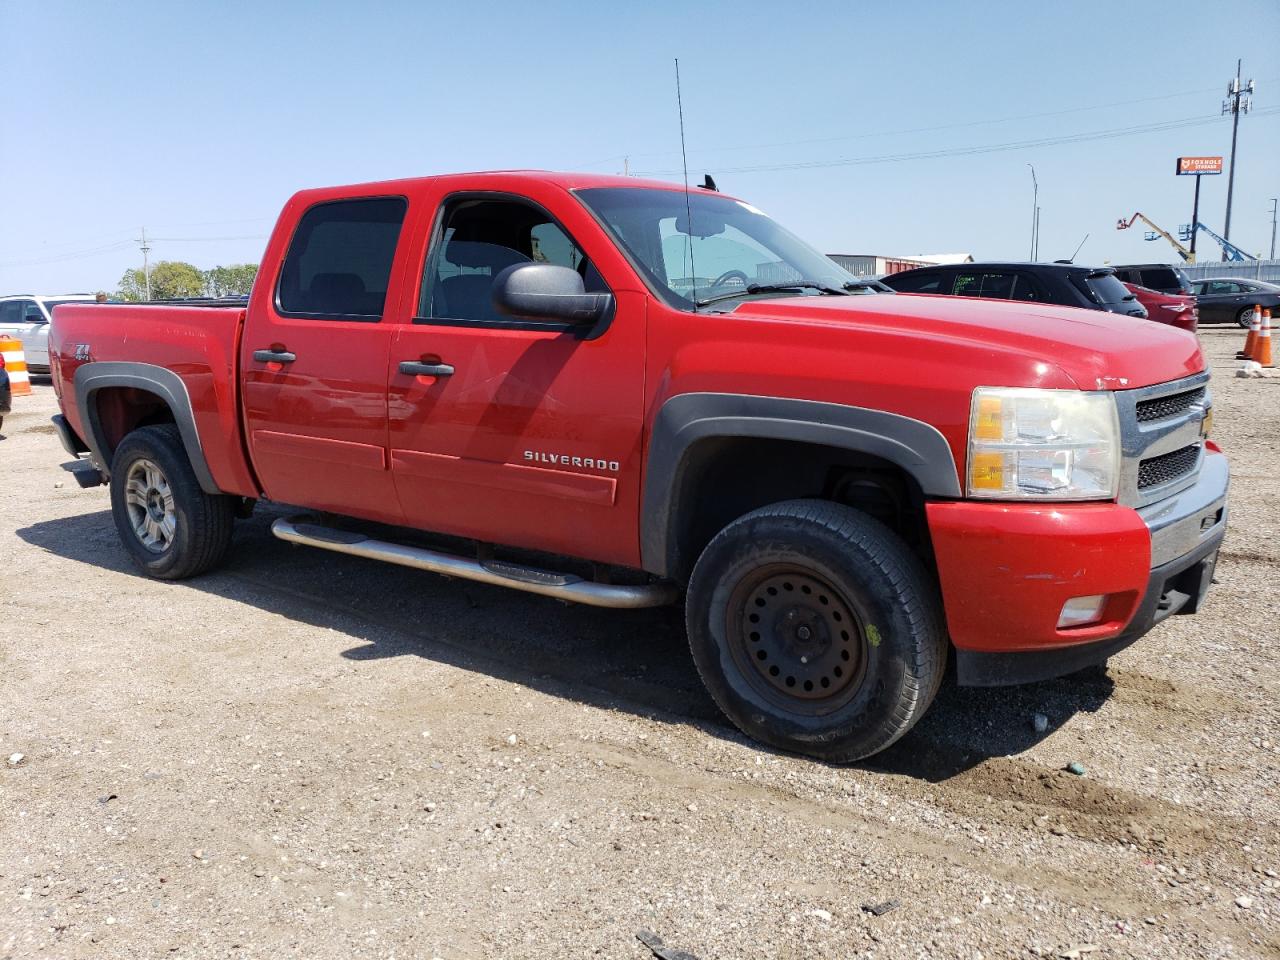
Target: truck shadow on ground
(637,661)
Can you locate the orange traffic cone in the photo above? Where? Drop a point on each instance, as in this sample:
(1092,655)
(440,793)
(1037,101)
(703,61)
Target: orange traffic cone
(15,362)
(1251,341)
(1262,352)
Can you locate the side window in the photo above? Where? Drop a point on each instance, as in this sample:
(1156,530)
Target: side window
(339,262)
(11,311)
(967,284)
(479,239)
(917,283)
(31,312)
(1028,288)
(998,286)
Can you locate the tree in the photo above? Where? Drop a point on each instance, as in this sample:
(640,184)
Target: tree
(170,279)
(235,280)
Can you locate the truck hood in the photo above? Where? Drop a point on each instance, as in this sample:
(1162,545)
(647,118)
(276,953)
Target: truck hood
(1094,349)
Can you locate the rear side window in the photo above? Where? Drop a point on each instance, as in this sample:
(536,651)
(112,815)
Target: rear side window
(1159,279)
(1028,288)
(996,286)
(339,262)
(1103,288)
(916,282)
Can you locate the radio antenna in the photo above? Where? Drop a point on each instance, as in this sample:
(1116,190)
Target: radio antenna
(688,206)
(1074,255)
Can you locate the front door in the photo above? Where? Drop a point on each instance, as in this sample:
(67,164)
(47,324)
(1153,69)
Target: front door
(531,433)
(314,362)
(23,319)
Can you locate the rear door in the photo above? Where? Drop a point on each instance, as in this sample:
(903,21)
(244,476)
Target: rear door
(531,436)
(1222,302)
(313,359)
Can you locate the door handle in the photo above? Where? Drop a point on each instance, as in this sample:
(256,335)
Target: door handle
(274,356)
(414,368)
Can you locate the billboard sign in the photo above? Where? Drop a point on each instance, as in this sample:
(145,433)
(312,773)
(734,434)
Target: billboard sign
(1199,165)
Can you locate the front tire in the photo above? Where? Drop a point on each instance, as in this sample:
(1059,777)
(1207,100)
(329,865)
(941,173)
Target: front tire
(816,630)
(171,528)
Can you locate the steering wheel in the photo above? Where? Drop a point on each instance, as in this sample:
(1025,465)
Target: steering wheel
(729,275)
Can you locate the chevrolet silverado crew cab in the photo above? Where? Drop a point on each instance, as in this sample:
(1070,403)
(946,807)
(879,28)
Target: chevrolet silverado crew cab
(615,392)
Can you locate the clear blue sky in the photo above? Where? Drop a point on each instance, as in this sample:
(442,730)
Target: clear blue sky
(198,120)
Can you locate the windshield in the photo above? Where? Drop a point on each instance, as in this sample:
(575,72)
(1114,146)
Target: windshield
(50,304)
(712,248)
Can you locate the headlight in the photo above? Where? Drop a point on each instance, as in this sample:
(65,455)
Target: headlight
(1027,444)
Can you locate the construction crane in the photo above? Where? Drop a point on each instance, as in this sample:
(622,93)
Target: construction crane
(1155,232)
(1230,249)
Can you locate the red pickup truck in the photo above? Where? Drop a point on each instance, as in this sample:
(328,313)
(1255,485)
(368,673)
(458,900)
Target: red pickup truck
(621,393)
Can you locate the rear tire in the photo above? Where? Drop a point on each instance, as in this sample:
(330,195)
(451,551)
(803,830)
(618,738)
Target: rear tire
(816,630)
(171,528)
(1245,317)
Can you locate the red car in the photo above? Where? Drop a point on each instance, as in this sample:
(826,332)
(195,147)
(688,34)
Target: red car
(625,395)
(1174,309)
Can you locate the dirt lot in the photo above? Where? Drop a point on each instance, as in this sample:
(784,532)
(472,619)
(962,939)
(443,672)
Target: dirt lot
(305,755)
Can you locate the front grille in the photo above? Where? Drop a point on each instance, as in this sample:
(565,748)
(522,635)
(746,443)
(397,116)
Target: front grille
(1168,466)
(1162,408)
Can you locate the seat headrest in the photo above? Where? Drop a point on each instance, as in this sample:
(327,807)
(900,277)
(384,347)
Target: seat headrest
(473,253)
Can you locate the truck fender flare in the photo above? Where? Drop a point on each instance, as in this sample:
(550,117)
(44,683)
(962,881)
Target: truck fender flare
(915,446)
(165,384)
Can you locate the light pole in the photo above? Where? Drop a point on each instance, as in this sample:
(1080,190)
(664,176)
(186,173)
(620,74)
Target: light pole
(1273,228)
(1035,210)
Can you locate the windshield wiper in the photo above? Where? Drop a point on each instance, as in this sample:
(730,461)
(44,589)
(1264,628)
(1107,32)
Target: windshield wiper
(774,288)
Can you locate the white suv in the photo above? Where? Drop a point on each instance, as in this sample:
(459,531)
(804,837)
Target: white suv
(27,317)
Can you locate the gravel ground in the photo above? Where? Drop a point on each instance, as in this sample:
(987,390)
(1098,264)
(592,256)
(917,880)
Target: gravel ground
(306,755)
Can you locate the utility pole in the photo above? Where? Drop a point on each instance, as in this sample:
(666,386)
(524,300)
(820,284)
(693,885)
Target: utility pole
(146,270)
(1035,210)
(1273,228)
(1238,101)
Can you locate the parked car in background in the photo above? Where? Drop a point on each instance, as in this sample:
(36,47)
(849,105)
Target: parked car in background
(27,317)
(5,399)
(1164,277)
(1093,288)
(1227,300)
(1174,309)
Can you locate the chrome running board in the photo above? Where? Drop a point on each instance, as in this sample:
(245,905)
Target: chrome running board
(562,586)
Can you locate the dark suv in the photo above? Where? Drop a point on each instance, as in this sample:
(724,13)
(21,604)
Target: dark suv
(1093,288)
(1155,276)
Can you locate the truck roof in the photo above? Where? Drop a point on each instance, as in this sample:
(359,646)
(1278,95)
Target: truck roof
(568,181)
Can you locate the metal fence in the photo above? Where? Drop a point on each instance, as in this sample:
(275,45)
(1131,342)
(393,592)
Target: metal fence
(1268,270)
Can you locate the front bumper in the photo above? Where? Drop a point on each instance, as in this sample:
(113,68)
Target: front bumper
(1007,569)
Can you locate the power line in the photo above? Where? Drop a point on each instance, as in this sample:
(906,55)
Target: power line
(1113,134)
(934,129)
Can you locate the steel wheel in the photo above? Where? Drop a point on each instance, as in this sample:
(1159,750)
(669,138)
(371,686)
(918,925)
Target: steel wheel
(797,639)
(150,503)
